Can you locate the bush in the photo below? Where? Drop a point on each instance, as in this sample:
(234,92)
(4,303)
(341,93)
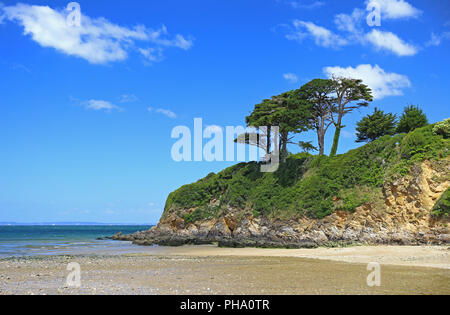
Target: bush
(442,128)
(442,207)
(202,213)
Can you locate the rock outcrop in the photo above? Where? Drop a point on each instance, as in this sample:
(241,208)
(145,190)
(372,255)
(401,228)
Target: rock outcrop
(401,214)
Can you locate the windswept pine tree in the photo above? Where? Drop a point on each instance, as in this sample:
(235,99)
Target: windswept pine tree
(351,94)
(318,93)
(376,125)
(412,118)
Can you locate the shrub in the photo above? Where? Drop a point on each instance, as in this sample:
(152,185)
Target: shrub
(202,213)
(442,207)
(442,128)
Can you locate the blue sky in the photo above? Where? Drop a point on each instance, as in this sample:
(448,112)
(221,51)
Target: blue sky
(87,112)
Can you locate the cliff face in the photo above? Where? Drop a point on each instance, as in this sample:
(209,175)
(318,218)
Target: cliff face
(402,216)
(395,208)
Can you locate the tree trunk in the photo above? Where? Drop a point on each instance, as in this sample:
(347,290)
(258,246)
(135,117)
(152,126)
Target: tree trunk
(268,140)
(337,134)
(284,140)
(321,141)
(321,136)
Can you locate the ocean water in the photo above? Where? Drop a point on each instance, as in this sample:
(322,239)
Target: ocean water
(37,240)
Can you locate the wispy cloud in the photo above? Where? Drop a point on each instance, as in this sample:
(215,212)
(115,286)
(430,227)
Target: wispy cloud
(128,98)
(291,77)
(152,54)
(97,40)
(350,30)
(390,42)
(100,105)
(436,39)
(163,111)
(20,67)
(350,23)
(321,35)
(382,83)
(306,5)
(396,9)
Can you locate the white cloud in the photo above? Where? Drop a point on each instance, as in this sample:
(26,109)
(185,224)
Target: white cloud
(163,111)
(97,40)
(291,77)
(2,15)
(20,67)
(309,6)
(128,98)
(436,39)
(390,42)
(381,82)
(152,54)
(322,36)
(350,22)
(350,29)
(98,105)
(396,9)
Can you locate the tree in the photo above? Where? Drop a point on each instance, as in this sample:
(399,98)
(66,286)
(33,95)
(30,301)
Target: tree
(347,92)
(374,126)
(412,118)
(293,117)
(261,116)
(318,95)
(286,111)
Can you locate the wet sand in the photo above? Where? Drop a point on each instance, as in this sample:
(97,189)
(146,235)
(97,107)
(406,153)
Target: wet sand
(417,256)
(211,270)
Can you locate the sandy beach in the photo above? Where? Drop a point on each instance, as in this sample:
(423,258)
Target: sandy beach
(213,270)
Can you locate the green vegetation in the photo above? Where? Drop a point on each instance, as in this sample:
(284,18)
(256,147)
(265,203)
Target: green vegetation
(412,118)
(442,128)
(202,213)
(307,185)
(316,186)
(375,126)
(442,207)
(316,105)
(348,91)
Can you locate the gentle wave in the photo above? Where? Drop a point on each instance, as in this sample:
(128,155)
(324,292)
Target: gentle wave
(17,241)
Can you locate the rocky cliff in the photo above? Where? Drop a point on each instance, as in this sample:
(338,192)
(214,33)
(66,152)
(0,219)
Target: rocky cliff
(385,192)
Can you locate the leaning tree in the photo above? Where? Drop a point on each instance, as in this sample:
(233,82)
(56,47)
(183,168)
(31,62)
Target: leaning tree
(318,93)
(347,92)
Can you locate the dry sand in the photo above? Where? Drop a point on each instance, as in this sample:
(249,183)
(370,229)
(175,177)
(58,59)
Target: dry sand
(211,270)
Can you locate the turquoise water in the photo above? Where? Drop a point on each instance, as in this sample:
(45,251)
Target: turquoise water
(16,241)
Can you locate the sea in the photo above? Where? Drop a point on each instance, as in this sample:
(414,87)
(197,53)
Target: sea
(53,239)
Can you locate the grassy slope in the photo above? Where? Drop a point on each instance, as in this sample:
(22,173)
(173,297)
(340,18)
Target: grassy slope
(309,185)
